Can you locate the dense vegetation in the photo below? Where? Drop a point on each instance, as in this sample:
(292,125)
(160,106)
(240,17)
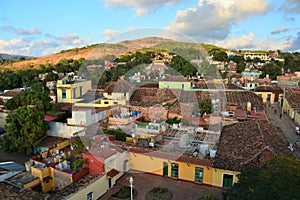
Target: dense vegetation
(10,79)
(26,125)
(276,179)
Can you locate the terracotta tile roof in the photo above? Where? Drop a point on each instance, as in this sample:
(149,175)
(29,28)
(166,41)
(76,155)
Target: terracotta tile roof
(248,143)
(151,96)
(10,93)
(241,99)
(119,87)
(102,152)
(293,97)
(269,88)
(112,173)
(233,87)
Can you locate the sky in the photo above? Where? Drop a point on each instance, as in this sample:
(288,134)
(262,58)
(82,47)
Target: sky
(42,27)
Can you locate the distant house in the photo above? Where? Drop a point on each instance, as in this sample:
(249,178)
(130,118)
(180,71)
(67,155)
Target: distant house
(120,90)
(68,91)
(175,82)
(107,159)
(9,94)
(85,116)
(269,94)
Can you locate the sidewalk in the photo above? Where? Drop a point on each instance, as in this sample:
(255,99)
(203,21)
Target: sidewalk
(181,190)
(285,125)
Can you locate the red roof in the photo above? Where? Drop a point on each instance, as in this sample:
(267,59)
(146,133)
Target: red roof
(48,118)
(112,173)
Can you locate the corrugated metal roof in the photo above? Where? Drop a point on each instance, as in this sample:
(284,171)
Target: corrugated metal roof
(12,166)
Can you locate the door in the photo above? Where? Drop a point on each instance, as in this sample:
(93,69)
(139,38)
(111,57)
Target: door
(276,98)
(227,180)
(109,183)
(165,169)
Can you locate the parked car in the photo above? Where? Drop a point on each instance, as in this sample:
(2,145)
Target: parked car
(297,130)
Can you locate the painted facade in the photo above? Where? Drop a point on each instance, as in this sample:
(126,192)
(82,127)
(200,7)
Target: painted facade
(269,96)
(197,173)
(175,85)
(69,91)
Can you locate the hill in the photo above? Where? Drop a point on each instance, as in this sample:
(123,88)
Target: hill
(89,52)
(188,50)
(12,57)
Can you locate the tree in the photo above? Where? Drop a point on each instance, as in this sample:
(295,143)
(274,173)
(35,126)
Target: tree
(118,133)
(273,69)
(184,67)
(276,179)
(203,106)
(38,96)
(51,77)
(25,127)
(218,55)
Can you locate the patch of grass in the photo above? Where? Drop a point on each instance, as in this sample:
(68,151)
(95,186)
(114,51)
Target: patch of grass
(124,192)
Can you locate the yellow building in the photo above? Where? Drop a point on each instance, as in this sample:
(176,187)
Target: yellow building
(269,94)
(175,166)
(69,91)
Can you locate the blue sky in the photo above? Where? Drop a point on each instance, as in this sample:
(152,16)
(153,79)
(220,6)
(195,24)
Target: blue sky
(42,27)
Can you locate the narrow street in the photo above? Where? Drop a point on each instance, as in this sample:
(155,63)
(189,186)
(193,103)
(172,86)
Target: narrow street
(284,125)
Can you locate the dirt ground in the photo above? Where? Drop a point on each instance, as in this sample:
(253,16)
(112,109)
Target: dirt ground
(20,158)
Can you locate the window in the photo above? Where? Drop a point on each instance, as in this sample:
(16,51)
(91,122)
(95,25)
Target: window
(227,180)
(105,102)
(174,170)
(63,93)
(115,103)
(268,97)
(89,196)
(198,175)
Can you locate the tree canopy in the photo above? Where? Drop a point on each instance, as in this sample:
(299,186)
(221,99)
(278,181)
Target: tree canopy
(38,96)
(25,127)
(276,179)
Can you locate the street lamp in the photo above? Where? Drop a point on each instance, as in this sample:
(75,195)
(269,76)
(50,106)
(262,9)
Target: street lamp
(131,182)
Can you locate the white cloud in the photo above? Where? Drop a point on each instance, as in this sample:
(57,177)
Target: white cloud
(142,7)
(109,33)
(213,19)
(291,6)
(248,42)
(30,47)
(20,31)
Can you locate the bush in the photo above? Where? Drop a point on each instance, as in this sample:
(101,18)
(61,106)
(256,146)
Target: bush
(123,193)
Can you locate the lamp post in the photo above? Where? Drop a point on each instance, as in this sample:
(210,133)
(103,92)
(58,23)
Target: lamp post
(131,182)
